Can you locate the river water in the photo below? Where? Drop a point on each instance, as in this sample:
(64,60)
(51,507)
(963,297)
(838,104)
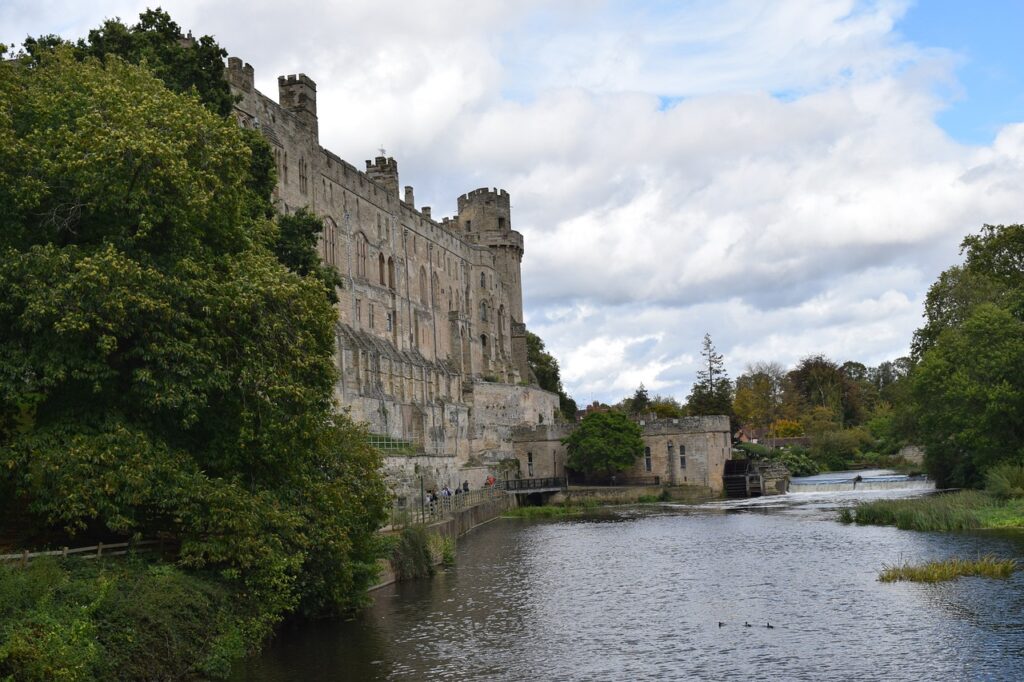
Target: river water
(638,594)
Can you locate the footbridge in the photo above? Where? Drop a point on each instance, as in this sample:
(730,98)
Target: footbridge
(529,486)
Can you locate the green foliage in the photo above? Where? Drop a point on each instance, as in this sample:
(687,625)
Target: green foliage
(1005,481)
(182,63)
(604,442)
(837,450)
(985,566)
(795,459)
(296,249)
(993,272)
(968,392)
(712,392)
(640,403)
(545,369)
(124,620)
(412,557)
(666,408)
(160,369)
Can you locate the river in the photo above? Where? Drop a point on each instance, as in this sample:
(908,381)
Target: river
(638,594)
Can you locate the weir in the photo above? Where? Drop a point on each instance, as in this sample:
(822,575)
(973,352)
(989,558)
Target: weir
(849,482)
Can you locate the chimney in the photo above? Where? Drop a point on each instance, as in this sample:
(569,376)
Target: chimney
(409,198)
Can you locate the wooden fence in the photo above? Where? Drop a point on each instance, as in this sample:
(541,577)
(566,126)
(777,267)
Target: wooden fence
(92,552)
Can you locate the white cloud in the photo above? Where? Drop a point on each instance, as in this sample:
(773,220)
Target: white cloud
(770,172)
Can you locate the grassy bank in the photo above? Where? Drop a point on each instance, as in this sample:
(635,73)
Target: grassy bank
(552,511)
(964,510)
(987,566)
(117,620)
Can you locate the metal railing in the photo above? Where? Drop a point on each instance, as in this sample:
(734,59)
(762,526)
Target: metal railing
(527,484)
(420,510)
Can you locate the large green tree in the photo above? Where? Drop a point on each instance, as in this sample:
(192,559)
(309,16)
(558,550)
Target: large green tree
(967,390)
(604,443)
(160,369)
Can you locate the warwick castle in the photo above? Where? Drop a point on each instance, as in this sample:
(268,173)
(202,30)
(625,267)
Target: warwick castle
(431,344)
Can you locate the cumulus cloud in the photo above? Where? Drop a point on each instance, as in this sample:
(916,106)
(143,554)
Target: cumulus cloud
(769,172)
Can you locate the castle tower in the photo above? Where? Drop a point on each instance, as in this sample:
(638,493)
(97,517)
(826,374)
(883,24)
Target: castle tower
(297,94)
(384,171)
(484,218)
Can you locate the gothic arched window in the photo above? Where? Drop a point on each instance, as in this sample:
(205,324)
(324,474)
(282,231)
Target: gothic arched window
(423,286)
(362,248)
(381,269)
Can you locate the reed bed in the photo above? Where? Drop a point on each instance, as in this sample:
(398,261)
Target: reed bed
(986,566)
(964,510)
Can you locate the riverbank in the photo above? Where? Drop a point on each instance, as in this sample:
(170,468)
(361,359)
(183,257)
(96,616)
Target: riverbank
(954,511)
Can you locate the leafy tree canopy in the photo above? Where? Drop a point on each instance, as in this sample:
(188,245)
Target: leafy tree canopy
(160,369)
(966,392)
(604,443)
(181,62)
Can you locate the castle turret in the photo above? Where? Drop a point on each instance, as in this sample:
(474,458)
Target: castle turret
(485,218)
(297,94)
(238,75)
(384,171)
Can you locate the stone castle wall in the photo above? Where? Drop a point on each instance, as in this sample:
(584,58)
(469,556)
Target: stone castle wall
(689,451)
(428,309)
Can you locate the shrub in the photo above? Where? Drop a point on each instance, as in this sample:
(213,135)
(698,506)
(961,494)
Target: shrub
(411,557)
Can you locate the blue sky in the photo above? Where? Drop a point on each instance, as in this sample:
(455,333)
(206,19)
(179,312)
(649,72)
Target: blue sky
(789,176)
(986,36)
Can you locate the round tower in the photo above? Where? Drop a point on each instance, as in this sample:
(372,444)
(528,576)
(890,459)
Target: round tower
(484,217)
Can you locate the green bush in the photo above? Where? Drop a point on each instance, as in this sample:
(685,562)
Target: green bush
(1005,481)
(118,620)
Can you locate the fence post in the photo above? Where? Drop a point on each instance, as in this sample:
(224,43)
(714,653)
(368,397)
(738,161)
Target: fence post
(99,550)
(24,558)
(64,552)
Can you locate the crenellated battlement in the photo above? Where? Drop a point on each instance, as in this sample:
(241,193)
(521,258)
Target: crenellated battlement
(297,94)
(384,171)
(240,75)
(484,196)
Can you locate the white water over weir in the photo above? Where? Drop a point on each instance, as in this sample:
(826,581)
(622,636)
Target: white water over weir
(852,480)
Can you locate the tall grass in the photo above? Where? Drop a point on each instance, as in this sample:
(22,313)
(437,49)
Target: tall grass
(1005,481)
(988,566)
(953,511)
(411,555)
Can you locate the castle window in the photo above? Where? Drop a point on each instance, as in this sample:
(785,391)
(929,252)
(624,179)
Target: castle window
(390,320)
(381,269)
(682,456)
(529,464)
(303,180)
(330,242)
(286,168)
(469,225)
(391,272)
(501,223)
(380,230)
(647,459)
(371,315)
(362,247)
(359,311)
(423,286)
(483,281)
(483,311)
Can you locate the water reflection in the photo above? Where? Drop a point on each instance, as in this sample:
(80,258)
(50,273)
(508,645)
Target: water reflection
(638,594)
